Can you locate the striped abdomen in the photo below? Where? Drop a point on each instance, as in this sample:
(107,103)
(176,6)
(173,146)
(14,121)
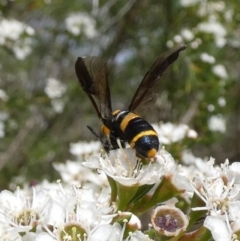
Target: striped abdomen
(137,132)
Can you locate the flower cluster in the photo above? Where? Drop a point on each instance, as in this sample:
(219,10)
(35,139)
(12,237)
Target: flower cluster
(54,90)
(169,133)
(106,194)
(16,36)
(220,193)
(81,23)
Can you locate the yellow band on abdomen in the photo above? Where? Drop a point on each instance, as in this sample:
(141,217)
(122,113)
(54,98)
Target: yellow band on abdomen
(126,119)
(143,133)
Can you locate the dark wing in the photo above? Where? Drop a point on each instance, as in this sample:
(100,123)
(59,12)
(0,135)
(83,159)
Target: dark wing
(92,74)
(147,90)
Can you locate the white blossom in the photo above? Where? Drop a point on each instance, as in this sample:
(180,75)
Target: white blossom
(107,232)
(138,236)
(205,57)
(218,228)
(217,123)
(196,43)
(2,129)
(12,35)
(21,210)
(170,44)
(77,23)
(177,38)
(44,237)
(223,227)
(196,166)
(73,172)
(187,34)
(3,95)
(169,133)
(215,28)
(83,148)
(211,107)
(58,105)
(124,167)
(188,3)
(21,52)
(12,29)
(220,193)
(220,71)
(54,88)
(221,101)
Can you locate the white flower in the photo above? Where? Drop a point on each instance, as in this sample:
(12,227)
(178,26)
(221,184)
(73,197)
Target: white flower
(21,52)
(107,232)
(170,44)
(217,123)
(79,205)
(221,101)
(233,172)
(12,29)
(205,57)
(218,228)
(195,166)
(219,6)
(72,172)
(116,232)
(78,209)
(196,43)
(211,108)
(177,38)
(2,129)
(3,95)
(217,191)
(8,233)
(54,88)
(223,228)
(187,3)
(83,148)
(212,27)
(21,210)
(58,105)
(133,221)
(124,167)
(187,34)
(16,36)
(44,237)
(234,215)
(215,28)
(138,236)
(3,116)
(220,71)
(169,133)
(76,23)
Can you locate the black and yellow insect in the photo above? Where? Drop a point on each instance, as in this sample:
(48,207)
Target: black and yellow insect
(124,125)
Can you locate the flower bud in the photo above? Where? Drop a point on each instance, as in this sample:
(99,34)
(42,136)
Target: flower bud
(168,220)
(133,222)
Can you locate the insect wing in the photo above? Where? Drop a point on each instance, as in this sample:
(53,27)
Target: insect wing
(92,74)
(147,91)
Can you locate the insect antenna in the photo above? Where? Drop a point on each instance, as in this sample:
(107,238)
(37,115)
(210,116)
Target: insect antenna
(106,144)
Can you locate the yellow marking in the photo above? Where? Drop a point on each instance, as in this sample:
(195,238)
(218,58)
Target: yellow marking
(105,130)
(152,153)
(126,120)
(143,133)
(116,112)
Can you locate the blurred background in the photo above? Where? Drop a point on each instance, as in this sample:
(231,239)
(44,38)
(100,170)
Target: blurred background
(43,109)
